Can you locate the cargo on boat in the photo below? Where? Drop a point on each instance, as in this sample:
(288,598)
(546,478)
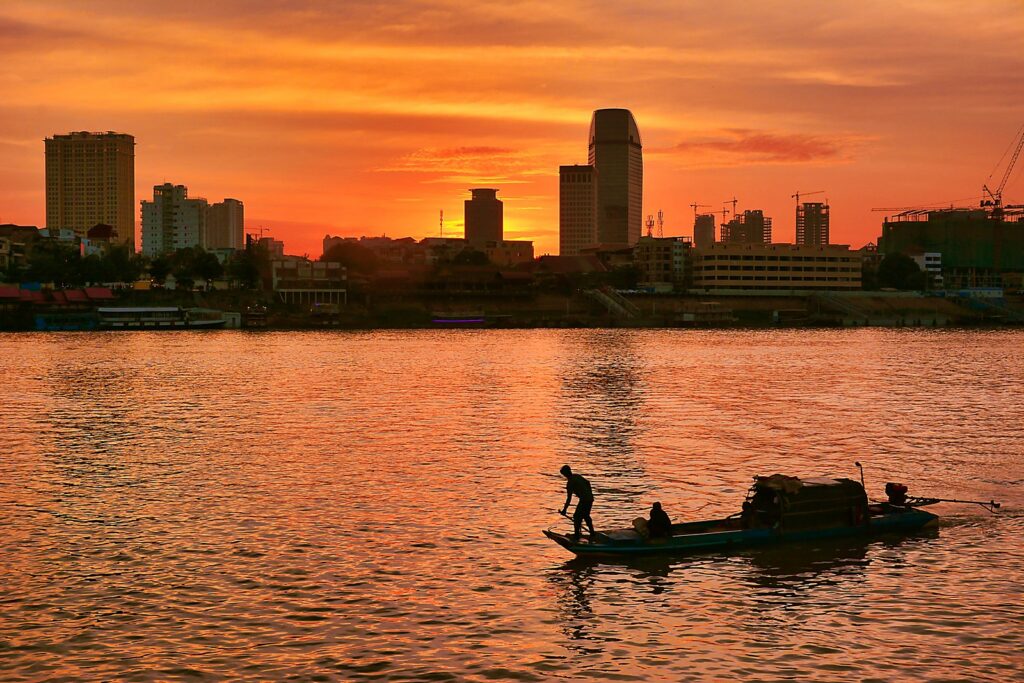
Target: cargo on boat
(777,509)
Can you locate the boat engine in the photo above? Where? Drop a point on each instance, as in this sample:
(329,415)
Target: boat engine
(897,493)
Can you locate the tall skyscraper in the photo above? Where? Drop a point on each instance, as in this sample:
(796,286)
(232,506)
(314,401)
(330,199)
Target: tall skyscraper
(90,179)
(750,227)
(225,225)
(812,223)
(172,220)
(577,209)
(484,218)
(704,230)
(617,157)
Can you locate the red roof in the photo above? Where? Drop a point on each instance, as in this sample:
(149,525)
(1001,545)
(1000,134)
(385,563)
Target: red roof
(9,293)
(30,297)
(99,293)
(76,295)
(58,298)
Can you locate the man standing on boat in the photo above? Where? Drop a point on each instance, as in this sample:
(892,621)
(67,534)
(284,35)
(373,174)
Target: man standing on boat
(576,484)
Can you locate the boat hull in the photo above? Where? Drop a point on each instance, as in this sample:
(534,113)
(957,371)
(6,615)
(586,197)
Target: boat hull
(705,538)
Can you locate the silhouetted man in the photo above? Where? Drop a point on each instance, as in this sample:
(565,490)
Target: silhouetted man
(659,525)
(576,484)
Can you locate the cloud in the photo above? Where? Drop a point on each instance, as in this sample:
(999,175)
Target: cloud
(736,146)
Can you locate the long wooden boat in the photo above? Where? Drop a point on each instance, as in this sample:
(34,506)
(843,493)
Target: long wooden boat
(777,509)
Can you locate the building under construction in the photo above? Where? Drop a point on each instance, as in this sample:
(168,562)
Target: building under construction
(812,220)
(704,230)
(979,247)
(750,227)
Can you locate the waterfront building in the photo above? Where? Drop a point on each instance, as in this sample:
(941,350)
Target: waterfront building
(704,230)
(978,248)
(509,253)
(577,209)
(663,261)
(750,227)
(172,221)
(90,179)
(300,281)
(733,265)
(225,225)
(616,154)
(484,219)
(812,220)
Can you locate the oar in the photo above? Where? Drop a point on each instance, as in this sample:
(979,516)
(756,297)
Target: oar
(989,505)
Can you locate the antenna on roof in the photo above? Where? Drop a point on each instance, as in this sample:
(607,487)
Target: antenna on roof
(442,224)
(661,223)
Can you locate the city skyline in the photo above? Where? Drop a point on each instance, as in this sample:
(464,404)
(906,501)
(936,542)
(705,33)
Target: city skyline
(348,120)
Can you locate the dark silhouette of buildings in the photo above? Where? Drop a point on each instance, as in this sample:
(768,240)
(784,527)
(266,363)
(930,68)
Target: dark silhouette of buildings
(750,227)
(704,230)
(617,157)
(812,223)
(484,218)
(577,209)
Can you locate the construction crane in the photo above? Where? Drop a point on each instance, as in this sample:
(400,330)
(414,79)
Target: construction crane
(996,196)
(661,223)
(698,206)
(650,225)
(799,194)
(732,201)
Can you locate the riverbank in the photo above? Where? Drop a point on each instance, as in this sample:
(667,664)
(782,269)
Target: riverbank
(583,309)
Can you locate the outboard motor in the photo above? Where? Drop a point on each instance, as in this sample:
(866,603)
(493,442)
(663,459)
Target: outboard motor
(897,493)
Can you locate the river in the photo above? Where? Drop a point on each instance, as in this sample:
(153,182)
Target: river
(368,505)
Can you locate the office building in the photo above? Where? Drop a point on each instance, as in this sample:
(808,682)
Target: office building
(577,209)
(736,265)
(90,179)
(616,154)
(172,221)
(704,230)
(750,227)
(225,225)
(484,221)
(812,223)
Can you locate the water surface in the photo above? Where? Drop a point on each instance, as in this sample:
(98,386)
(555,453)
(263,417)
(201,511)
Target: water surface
(359,506)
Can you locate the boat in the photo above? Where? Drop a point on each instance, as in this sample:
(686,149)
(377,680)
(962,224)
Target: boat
(777,509)
(158,318)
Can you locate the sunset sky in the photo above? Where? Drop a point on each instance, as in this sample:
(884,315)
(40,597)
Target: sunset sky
(360,117)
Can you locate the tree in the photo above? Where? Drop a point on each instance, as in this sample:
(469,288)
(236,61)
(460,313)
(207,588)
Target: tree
(159,269)
(354,256)
(207,266)
(471,257)
(56,262)
(899,271)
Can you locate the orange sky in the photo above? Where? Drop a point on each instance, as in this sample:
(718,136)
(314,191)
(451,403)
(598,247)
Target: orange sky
(359,117)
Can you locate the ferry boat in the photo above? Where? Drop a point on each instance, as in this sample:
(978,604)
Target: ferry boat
(158,318)
(777,509)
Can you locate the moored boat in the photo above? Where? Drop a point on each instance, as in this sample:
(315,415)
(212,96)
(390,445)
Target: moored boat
(777,509)
(157,318)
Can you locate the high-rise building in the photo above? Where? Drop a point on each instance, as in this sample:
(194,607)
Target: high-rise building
(172,221)
(577,209)
(90,179)
(750,227)
(617,157)
(484,218)
(225,225)
(704,230)
(812,223)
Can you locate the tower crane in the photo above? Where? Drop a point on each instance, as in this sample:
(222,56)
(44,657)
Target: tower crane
(696,206)
(732,201)
(799,194)
(996,196)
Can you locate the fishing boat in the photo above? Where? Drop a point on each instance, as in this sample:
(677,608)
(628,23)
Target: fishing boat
(777,509)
